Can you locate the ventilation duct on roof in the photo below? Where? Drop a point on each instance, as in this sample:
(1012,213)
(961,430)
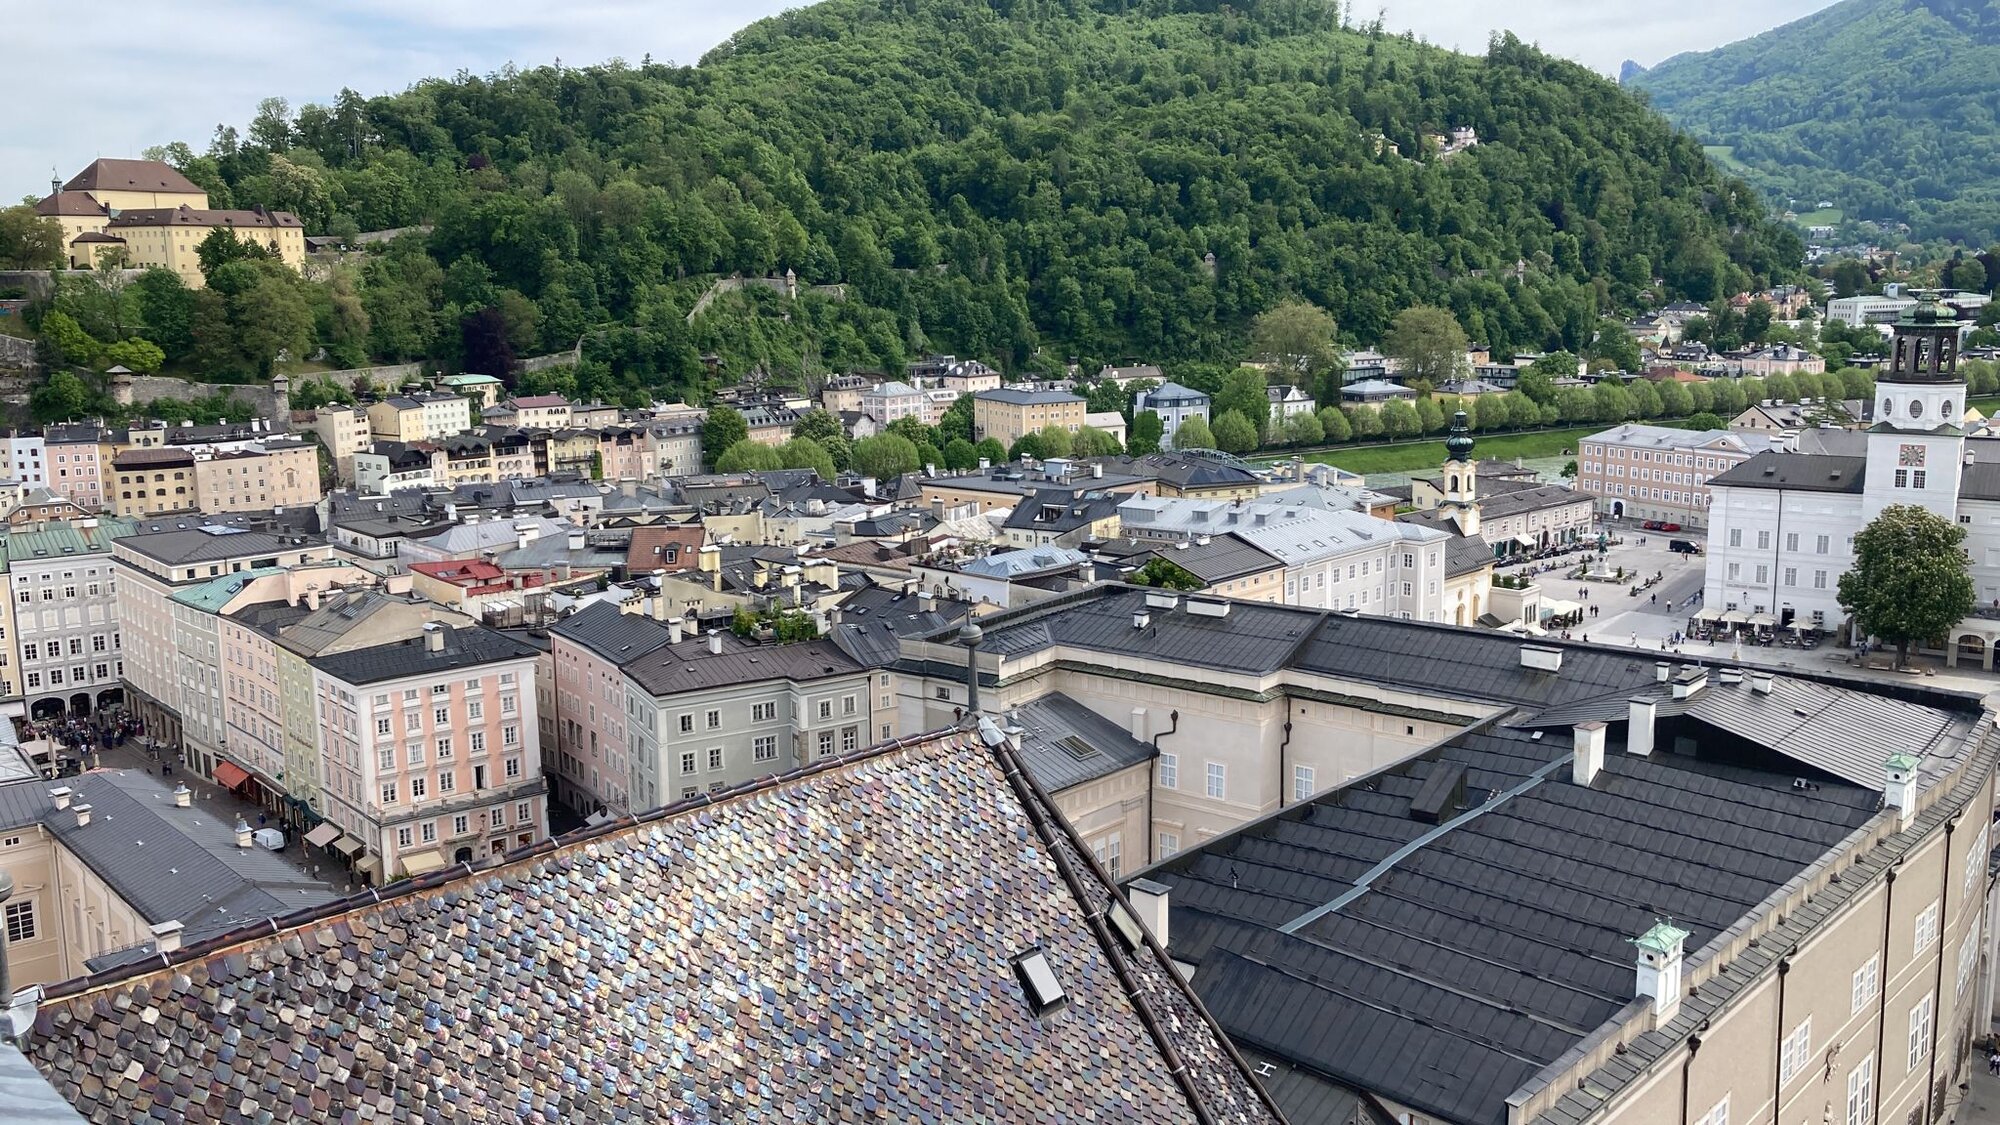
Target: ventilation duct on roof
(1541,658)
(1690,683)
(1587,753)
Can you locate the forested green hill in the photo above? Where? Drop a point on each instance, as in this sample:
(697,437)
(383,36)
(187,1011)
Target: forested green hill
(1021,180)
(1888,109)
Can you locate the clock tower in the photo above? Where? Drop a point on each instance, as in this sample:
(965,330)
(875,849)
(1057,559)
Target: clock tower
(1916,449)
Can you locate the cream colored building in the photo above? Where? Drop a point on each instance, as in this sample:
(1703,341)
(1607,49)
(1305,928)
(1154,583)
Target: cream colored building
(343,431)
(171,237)
(282,474)
(1006,415)
(429,416)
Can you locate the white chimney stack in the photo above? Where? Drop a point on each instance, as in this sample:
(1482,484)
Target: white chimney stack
(1761,681)
(243,838)
(1660,968)
(1899,786)
(167,936)
(82,814)
(1149,902)
(1587,754)
(60,795)
(1639,727)
(433,637)
(674,631)
(1141,729)
(715,643)
(1662,672)
(183,797)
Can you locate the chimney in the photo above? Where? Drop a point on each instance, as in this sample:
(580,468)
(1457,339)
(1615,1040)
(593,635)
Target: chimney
(690,624)
(1541,658)
(1639,727)
(1587,755)
(1729,677)
(715,643)
(1141,619)
(1899,786)
(1660,968)
(1761,681)
(167,937)
(433,637)
(60,795)
(312,600)
(82,814)
(576,540)
(1141,729)
(709,558)
(183,797)
(1149,902)
(1690,683)
(674,631)
(926,602)
(1662,672)
(242,833)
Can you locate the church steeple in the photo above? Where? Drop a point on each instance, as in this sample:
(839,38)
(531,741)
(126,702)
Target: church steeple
(1921,388)
(1461,478)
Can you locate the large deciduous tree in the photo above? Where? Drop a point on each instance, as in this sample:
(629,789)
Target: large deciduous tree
(1428,344)
(1910,581)
(721,430)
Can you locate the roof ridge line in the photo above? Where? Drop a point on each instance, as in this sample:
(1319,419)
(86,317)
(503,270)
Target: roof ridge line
(1368,878)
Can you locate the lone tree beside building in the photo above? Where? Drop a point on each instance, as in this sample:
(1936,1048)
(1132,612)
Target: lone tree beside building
(1911,579)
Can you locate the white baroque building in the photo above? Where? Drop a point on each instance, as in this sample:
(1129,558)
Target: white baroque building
(1782,525)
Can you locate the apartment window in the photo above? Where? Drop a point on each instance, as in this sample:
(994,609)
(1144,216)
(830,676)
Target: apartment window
(1867,979)
(1170,771)
(715,757)
(478,741)
(1109,853)
(418,789)
(944,693)
(447,781)
(1170,842)
(441,716)
(763,712)
(764,748)
(714,720)
(385,758)
(429,831)
(847,705)
(440,689)
(1736,537)
(826,708)
(1975,860)
(496,816)
(1861,1092)
(1795,1053)
(1302,783)
(512,767)
(21,921)
(460,825)
(382,727)
(1968,960)
(404,837)
(687,724)
(1819,579)
(1920,1032)
(1917,478)
(1718,1114)
(825,743)
(1902,478)
(850,739)
(1763,574)
(1218,780)
(509,736)
(1926,929)
(1791,541)
(1820,545)
(389,793)
(474,709)
(1735,571)
(507,705)
(443,748)
(1791,576)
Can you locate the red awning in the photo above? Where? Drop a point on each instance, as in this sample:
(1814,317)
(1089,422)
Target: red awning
(230,775)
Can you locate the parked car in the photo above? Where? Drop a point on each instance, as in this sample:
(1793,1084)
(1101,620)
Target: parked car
(1650,525)
(1670,527)
(1685,547)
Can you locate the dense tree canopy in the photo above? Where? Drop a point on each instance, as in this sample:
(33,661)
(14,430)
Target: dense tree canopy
(1010,181)
(1911,579)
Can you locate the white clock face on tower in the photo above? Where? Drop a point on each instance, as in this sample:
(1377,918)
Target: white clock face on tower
(1910,457)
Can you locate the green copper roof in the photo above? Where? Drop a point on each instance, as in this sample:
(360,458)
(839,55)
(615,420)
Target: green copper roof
(56,539)
(1904,762)
(212,595)
(467,380)
(1664,938)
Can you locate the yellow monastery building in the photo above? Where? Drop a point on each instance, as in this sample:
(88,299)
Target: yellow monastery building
(145,213)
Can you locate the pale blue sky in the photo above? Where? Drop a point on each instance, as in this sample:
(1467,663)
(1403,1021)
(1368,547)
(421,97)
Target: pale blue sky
(109,77)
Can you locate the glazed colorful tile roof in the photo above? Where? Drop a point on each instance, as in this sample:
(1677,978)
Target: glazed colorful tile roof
(833,946)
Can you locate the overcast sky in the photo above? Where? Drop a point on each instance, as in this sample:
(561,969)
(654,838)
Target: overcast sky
(109,77)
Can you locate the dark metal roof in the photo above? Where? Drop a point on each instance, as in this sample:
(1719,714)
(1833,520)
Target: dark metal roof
(1065,743)
(467,647)
(1797,472)
(690,666)
(1499,941)
(617,637)
(204,539)
(1255,637)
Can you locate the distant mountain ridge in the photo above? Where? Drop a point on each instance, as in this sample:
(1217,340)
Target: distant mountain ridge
(1889,109)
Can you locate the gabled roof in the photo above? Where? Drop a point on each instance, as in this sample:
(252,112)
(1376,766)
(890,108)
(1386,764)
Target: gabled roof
(1065,744)
(132,175)
(465,648)
(71,203)
(664,546)
(644,951)
(1796,472)
(615,636)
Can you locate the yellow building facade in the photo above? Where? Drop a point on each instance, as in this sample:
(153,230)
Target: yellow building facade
(143,213)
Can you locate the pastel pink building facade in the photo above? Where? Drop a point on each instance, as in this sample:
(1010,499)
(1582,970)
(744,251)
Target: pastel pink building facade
(75,470)
(626,454)
(1643,473)
(429,749)
(589,763)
